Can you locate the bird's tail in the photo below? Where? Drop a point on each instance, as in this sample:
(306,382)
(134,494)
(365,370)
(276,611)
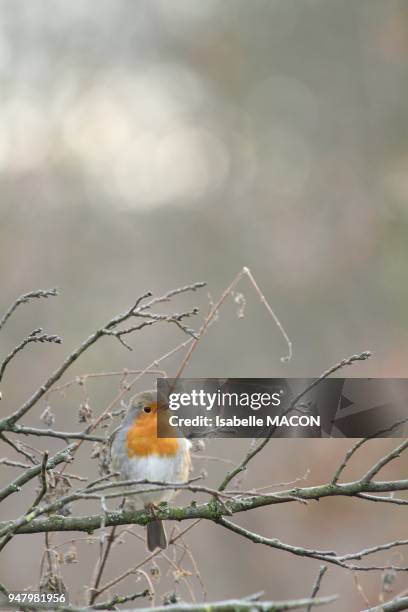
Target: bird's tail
(156,535)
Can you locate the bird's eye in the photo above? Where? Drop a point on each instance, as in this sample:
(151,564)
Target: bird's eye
(147,409)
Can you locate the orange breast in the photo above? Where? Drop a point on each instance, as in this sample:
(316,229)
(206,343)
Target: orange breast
(142,439)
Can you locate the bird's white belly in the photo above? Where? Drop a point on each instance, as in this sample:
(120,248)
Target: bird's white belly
(154,468)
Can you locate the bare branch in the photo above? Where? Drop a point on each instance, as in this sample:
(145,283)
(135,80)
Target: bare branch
(316,586)
(51,433)
(242,605)
(152,320)
(43,489)
(230,605)
(167,296)
(386,500)
(18,447)
(24,299)
(253,452)
(213,511)
(10,463)
(36,336)
(119,333)
(214,311)
(354,448)
(134,569)
(72,358)
(15,486)
(384,461)
(395,605)
(118,599)
(278,324)
(369,551)
(338,366)
(93,591)
(327,556)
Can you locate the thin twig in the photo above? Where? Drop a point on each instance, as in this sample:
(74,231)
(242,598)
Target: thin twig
(214,311)
(322,555)
(338,366)
(80,380)
(120,599)
(278,324)
(316,586)
(17,464)
(24,299)
(93,591)
(253,452)
(360,443)
(386,500)
(394,454)
(151,556)
(72,358)
(51,433)
(15,485)
(43,477)
(395,605)
(36,336)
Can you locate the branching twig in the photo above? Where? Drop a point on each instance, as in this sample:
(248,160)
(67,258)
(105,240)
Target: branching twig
(36,336)
(385,500)
(111,325)
(214,311)
(149,558)
(251,454)
(23,299)
(338,366)
(394,454)
(215,511)
(327,556)
(15,486)
(17,447)
(360,443)
(10,533)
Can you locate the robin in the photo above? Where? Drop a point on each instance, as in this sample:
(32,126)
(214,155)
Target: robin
(137,454)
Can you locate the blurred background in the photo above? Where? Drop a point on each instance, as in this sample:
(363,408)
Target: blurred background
(146,145)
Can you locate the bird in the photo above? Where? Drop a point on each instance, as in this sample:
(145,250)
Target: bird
(137,453)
